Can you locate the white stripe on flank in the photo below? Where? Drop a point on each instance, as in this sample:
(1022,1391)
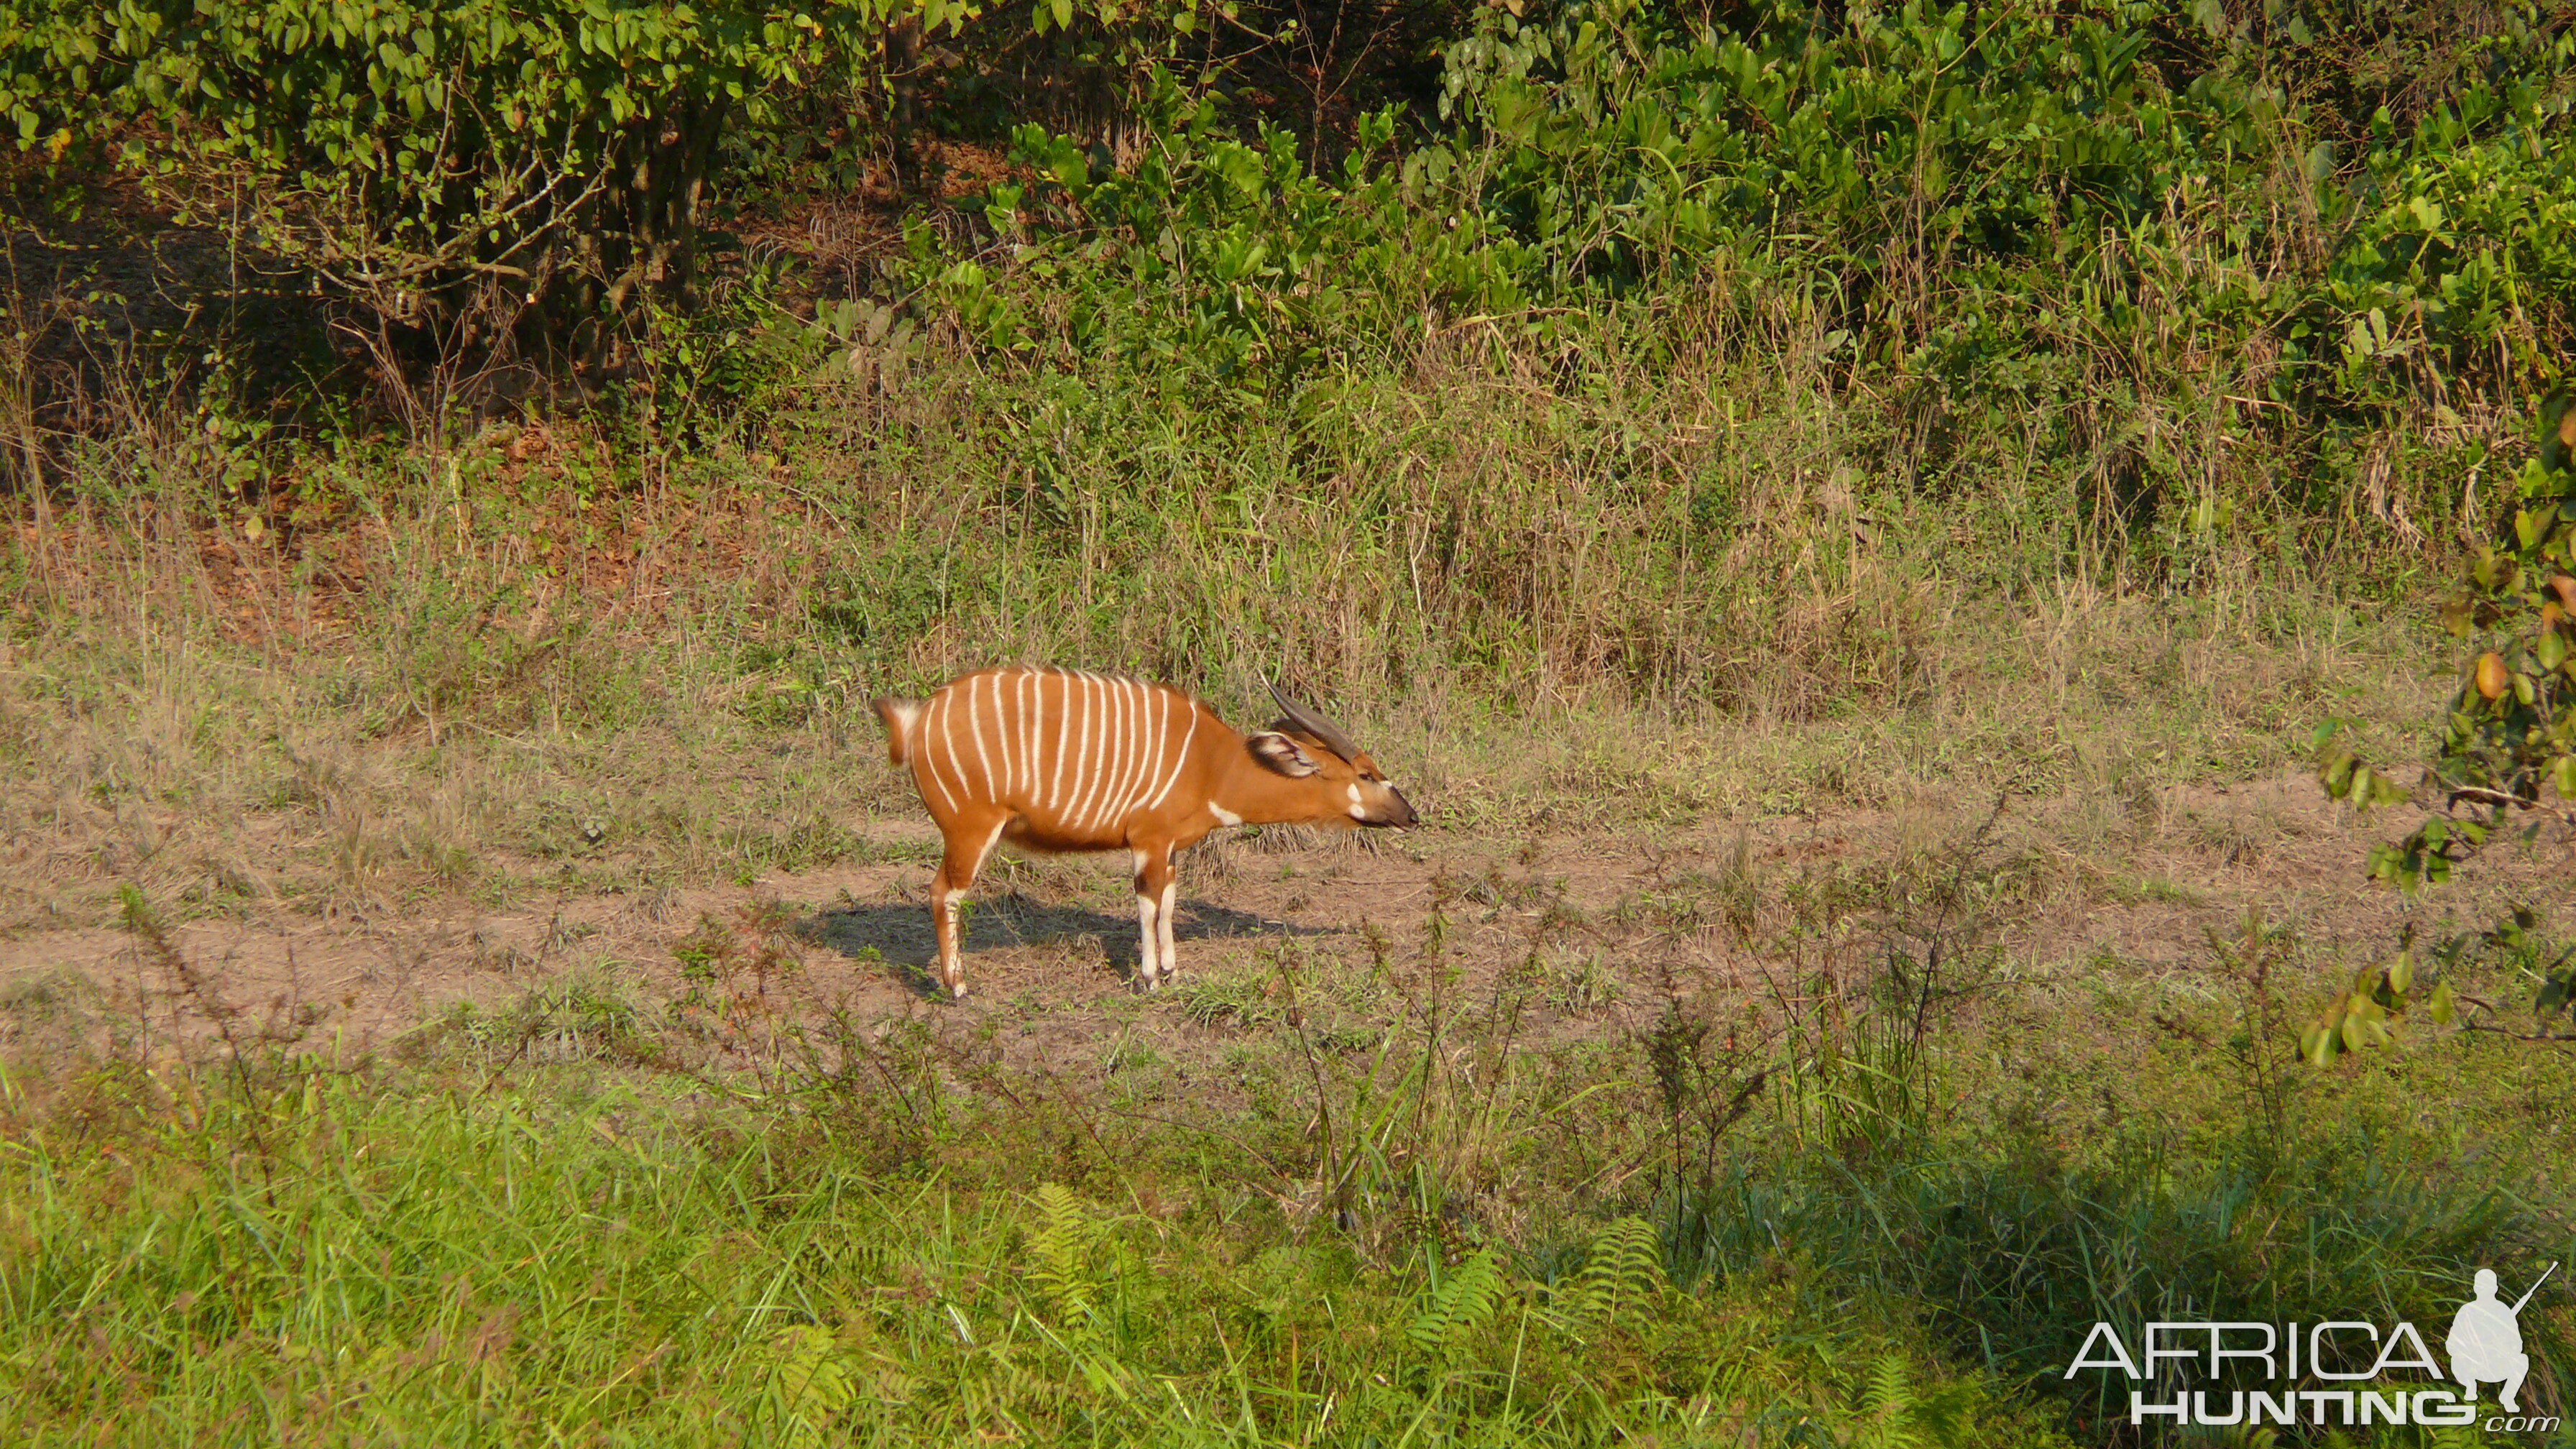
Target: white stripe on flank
(1162,738)
(1031,684)
(975,735)
(1104,751)
(979,786)
(1181,760)
(999,757)
(1085,778)
(986,853)
(1149,743)
(1001,743)
(1027,696)
(1145,751)
(1052,734)
(1122,761)
(947,741)
(1122,741)
(1008,733)
(1140,730)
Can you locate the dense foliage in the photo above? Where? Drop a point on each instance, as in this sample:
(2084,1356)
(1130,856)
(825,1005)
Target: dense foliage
(404,152)
(2014,202)
(2008,201)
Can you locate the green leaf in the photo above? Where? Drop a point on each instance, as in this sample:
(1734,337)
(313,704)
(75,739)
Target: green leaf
(2319,1044)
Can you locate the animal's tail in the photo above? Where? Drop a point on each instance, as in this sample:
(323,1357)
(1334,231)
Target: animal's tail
(898,715)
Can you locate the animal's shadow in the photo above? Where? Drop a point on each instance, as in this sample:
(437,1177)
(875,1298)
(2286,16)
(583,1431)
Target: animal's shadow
(901,935)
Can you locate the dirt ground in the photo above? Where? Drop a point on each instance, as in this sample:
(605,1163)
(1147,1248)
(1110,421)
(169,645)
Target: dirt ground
(1052,943)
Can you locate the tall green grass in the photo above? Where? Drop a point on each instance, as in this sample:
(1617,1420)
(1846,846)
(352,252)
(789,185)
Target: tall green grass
(346,1264)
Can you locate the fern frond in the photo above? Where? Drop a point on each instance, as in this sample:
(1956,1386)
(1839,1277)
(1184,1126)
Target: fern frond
(1890,1396)
(1624,1268)
(808,1385)
(1464,1302)
(1060,1251)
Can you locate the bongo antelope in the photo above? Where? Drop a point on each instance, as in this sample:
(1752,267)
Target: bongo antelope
(1056,760)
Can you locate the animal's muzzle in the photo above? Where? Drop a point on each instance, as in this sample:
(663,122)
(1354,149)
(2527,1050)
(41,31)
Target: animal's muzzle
(1402,814)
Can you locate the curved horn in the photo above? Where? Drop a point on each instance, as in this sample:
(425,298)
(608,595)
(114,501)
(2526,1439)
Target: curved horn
(1316,725)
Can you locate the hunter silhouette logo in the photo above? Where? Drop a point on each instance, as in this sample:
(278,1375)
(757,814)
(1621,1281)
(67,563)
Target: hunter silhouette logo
(2486,1341)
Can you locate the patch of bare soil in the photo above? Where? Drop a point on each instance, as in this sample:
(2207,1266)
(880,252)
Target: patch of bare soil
(1052,943)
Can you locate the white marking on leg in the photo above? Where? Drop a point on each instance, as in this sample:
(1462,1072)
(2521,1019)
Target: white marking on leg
(1148,954)
(952,964)
(1171,958)
(1148,941)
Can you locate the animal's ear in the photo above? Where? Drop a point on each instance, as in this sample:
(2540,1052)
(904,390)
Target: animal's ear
(1281,755)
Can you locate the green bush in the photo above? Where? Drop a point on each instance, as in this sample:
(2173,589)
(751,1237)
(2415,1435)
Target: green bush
(423,157)
(2009,201)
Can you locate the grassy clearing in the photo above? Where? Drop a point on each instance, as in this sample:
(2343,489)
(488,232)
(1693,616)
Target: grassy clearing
(457,911)
(511,664)
(1360,1193)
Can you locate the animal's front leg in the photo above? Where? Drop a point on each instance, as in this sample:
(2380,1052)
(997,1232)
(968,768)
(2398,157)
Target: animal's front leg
(1163,910)
(1153,915)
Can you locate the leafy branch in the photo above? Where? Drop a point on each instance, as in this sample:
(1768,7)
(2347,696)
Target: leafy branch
(2508,747)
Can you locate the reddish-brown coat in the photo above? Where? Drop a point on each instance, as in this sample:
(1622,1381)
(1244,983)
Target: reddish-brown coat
(1061,760)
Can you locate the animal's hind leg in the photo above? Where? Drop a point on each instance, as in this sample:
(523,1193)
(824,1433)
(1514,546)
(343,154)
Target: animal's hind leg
(968,846)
